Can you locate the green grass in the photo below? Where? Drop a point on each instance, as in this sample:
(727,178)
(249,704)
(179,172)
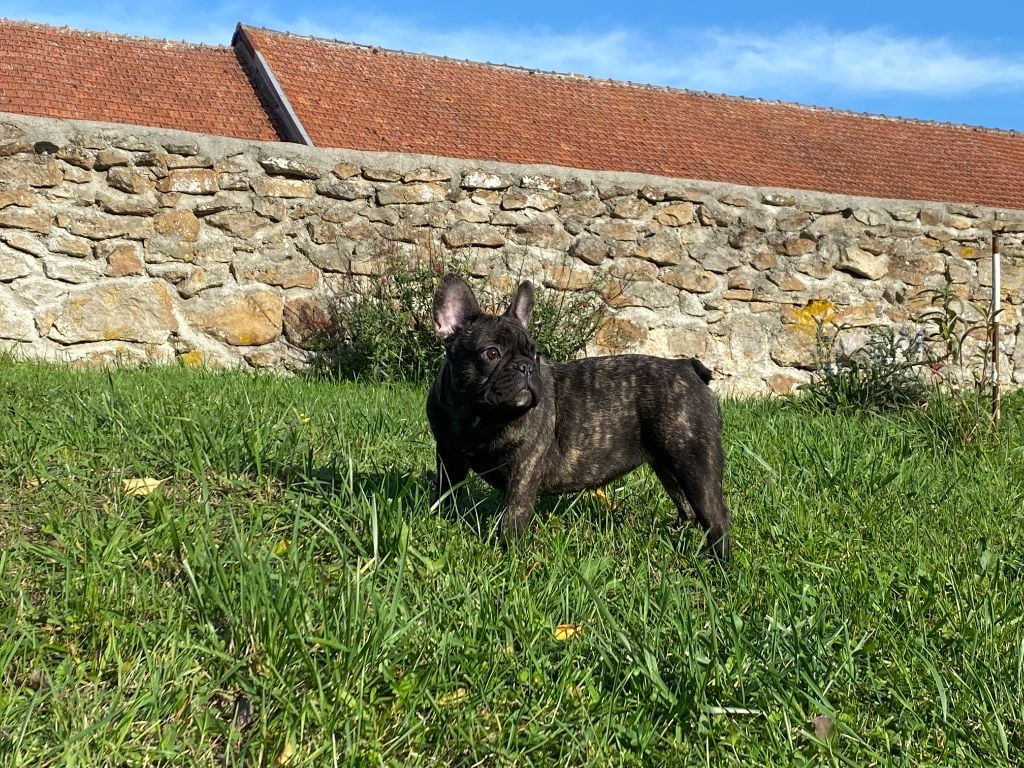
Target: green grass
(288,591)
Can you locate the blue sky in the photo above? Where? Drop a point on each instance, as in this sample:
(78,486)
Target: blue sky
(952,62)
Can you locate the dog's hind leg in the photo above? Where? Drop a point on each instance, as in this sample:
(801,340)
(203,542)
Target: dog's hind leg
(695,479)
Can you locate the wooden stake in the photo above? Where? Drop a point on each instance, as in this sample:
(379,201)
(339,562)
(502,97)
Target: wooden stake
(996,307)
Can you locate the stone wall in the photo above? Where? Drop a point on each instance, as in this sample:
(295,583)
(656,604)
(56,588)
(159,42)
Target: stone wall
(142,245)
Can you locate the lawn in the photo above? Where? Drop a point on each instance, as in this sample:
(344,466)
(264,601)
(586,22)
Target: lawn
(286,596)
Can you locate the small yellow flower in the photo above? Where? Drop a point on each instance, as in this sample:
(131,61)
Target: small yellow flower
(564,632)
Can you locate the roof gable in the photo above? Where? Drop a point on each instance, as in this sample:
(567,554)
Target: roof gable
(65,73)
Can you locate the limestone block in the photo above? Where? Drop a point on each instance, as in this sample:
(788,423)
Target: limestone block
(288,166)
(539,200)
(97,225)
(123,259)
(16,320)
(125,309)
(31,171)
(279,186)
(73,270)
(194,160)
(860,263)
(241,224)
(591,249)
(675,215)
(71,245)
(13,264)
(117,353)
(23,198)
(690,278)
(78,157)
(295,272)
(467,210)
(303,318)
(145,203)
(568,277)
(794,346)
(587,207)
(630,207)
(346,189)
(668,247)
(678,342)
(346,170)
(411,194)
(617,334)
(543,231)
(181,224)
(27,219)
(249,316)
(799,246)
(381,174)
(192,181)
(203,277)
(464,234)
(615,229)
(788,382)
(793,221)
(109,158)
(426,174)
(480,179)
(778,199)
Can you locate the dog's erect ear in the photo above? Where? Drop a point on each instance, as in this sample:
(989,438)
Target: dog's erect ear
(454,305)
(522,304)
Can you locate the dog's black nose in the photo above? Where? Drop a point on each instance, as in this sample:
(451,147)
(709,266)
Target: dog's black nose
(526,369)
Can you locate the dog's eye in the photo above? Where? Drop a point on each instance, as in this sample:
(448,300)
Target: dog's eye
(492,353)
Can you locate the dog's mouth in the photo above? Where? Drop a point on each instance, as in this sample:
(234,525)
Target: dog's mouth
(525,398)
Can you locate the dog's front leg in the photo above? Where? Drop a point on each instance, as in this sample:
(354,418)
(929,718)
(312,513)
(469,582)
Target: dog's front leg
(451,472)
(520,498)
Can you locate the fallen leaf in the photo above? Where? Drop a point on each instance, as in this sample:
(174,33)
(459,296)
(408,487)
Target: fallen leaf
(565,632)
(823,727)
(282,546)
(37,680)
(454,697)
(287,753)
(140,486)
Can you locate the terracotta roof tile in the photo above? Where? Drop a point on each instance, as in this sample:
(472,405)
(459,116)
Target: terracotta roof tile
(367,98)
(65,73)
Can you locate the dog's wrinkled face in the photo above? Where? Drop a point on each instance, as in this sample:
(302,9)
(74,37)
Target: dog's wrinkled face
(492,360)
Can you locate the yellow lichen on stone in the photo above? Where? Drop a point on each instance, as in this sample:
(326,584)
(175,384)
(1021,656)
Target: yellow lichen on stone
(192,359)
(816,311)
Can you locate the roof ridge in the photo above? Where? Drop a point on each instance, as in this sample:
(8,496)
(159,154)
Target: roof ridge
(115,36)
(644,86)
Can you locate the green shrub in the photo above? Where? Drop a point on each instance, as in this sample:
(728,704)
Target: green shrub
(380,327)
(882,374)
(940,362)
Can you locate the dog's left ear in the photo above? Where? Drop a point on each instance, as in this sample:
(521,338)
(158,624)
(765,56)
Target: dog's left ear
(454,306)
(522,304)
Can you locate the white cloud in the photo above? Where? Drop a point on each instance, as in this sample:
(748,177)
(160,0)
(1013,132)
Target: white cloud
(864,61)
(796,60)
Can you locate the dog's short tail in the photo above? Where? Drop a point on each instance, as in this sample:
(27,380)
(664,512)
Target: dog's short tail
(702,370)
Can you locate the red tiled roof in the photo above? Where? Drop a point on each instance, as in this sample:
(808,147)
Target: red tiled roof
(366,98)
(65,73)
